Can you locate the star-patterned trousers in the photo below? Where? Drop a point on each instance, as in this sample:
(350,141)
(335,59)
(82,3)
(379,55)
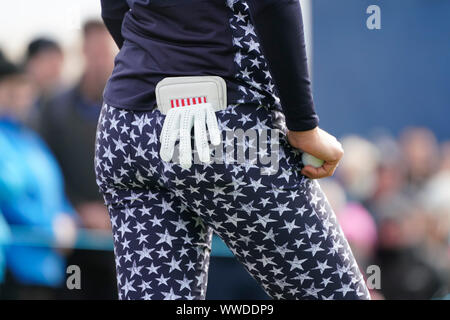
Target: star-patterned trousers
(279,225)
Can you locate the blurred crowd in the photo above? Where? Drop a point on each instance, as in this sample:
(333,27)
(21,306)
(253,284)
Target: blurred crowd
(392,199)
(391,195)
(47,180)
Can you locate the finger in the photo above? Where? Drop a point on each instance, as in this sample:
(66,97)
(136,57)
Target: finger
(326,170)
(310,172)
(306,174)
(316,173)
(330,168)
(213,127)
(201,139)
(166,137)
(186,122)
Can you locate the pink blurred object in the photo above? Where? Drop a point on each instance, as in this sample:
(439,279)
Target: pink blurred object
(358,225)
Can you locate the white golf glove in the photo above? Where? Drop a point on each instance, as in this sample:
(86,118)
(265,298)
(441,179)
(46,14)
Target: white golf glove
(179,123)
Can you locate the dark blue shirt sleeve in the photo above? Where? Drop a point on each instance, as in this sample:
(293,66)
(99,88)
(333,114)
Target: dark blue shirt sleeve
(279,26)
(113,12)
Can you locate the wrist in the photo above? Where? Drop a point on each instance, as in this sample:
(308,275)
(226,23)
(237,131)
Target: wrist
(299,139)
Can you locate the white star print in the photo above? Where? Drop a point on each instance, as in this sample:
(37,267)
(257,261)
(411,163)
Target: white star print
(345,289)
(263,220)
(128,286)
(184,283)
(249,29)
(174,265)
(144,253)
(296,263)
(290,226)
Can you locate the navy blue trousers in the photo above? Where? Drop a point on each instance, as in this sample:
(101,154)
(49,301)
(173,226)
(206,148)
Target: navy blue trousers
(279,225)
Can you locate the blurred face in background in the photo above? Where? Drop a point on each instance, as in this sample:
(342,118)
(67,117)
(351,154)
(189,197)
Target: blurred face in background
(45,69)
(445,156)
(390,180)
(357,171)
(403,229)
(98,52)
(421,153)
(17,94)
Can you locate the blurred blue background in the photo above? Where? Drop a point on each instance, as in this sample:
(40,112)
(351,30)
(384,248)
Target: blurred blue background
(386,79)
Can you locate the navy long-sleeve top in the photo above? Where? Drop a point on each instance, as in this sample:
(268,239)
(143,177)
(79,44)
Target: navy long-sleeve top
(257,46)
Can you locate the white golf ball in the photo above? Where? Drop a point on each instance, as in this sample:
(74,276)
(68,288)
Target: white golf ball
(309,160)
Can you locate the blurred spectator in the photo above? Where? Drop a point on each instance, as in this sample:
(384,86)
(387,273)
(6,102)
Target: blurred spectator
(405,254)
(390,173)
(68,123)
(43,64)
(31,193)
(435,198)
(357,170)
(5,235)
(445,156)
(421,155)
(398,214)
(406,271)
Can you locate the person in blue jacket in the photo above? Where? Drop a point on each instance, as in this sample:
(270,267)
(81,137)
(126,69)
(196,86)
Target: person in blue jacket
(5,236)
(277,222)
(31,187)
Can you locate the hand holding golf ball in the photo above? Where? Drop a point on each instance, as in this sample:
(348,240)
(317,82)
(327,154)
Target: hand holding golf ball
(327,150)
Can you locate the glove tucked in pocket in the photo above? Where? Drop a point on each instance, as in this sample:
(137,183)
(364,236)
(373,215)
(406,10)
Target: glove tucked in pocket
(190,102)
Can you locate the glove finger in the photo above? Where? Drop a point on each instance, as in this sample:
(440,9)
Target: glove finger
(186,122)
(169,127)
(213,127)
(201,139)
(174,134)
